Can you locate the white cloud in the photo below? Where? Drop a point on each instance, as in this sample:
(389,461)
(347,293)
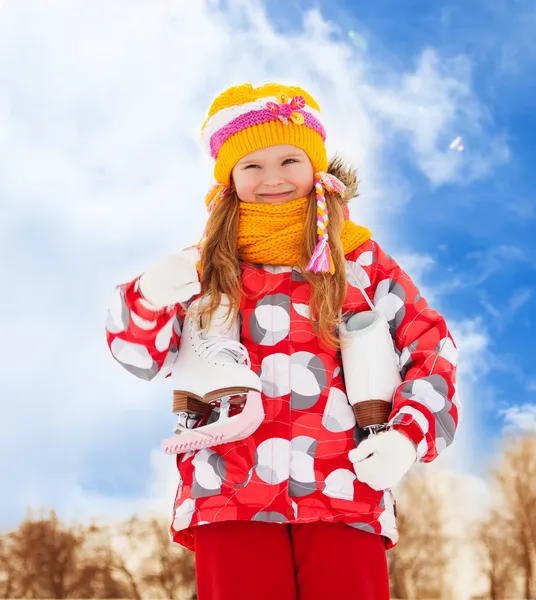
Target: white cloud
(520,418)
(493,260)
(104,103)
(474,341)
(484,265)
(441,92)
(518,299)
(504,315)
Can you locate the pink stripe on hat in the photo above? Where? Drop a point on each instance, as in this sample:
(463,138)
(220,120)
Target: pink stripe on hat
(256,117)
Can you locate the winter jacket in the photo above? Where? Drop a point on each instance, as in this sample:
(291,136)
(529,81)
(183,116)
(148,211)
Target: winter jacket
(294,468)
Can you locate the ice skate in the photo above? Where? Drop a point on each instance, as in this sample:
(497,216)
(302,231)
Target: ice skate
(370,367)
(212,375)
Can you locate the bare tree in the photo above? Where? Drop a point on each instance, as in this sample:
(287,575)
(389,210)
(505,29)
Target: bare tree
(129,537)
(515,479)
(46,559)
(417,564)
(45,554)
(499,552)
(171,568)
(7,570)
(142,555)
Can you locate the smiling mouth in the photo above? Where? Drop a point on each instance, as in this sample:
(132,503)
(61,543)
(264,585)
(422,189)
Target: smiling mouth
(275,196)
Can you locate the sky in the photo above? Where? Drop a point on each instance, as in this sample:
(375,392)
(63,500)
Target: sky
(102,172)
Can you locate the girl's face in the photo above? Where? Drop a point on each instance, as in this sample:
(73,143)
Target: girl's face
(274,175)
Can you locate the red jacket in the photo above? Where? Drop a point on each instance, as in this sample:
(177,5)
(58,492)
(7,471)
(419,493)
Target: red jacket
(295,467)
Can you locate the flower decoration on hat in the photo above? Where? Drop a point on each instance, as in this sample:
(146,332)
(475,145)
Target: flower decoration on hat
(288,109)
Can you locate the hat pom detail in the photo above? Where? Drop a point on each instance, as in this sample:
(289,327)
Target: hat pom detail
(216,193)
(331,183)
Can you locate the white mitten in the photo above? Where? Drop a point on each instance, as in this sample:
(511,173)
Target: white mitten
(171,279)
(382,460)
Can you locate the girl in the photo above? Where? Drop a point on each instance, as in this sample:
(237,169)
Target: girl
(302,508)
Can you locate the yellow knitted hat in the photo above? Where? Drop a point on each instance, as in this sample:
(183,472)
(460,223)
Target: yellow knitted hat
(244,119)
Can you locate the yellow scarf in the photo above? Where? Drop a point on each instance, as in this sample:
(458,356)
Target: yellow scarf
(271,233)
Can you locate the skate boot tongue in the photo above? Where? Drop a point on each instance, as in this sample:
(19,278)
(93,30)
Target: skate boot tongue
(223,349)
(219,341)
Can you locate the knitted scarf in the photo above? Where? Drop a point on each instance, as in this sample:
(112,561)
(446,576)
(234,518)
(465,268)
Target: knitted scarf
(271,233)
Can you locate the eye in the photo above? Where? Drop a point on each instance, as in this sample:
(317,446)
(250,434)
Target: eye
(251,166)
(289,161)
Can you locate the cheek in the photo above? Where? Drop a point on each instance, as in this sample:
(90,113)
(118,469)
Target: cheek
(246,183)
(303,178)
(305,183)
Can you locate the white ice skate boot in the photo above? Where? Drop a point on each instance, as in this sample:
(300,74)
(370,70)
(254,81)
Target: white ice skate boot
(370,367)
(212,370)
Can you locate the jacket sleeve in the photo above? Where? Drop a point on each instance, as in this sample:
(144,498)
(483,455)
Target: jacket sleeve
(425,406)
(142,338)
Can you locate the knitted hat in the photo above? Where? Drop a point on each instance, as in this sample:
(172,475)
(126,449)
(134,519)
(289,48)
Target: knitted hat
(244,119)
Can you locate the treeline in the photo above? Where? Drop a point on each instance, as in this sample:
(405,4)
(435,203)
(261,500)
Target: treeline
(46,558)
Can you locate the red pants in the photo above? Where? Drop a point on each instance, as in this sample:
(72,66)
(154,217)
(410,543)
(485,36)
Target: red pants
(238,560)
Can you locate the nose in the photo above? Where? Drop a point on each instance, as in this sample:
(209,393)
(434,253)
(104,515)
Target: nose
(273,178)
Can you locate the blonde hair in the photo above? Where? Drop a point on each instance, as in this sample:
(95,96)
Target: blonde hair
(220,264)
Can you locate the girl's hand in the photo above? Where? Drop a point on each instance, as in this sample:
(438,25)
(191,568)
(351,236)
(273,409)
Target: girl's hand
(171,279)
(382,460)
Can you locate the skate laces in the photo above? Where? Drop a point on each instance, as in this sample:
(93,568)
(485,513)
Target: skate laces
(223,347)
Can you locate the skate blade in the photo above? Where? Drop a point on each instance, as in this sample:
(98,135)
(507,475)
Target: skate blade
(231,430)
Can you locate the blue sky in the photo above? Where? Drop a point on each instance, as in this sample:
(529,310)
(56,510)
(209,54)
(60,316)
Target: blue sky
(104,173)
